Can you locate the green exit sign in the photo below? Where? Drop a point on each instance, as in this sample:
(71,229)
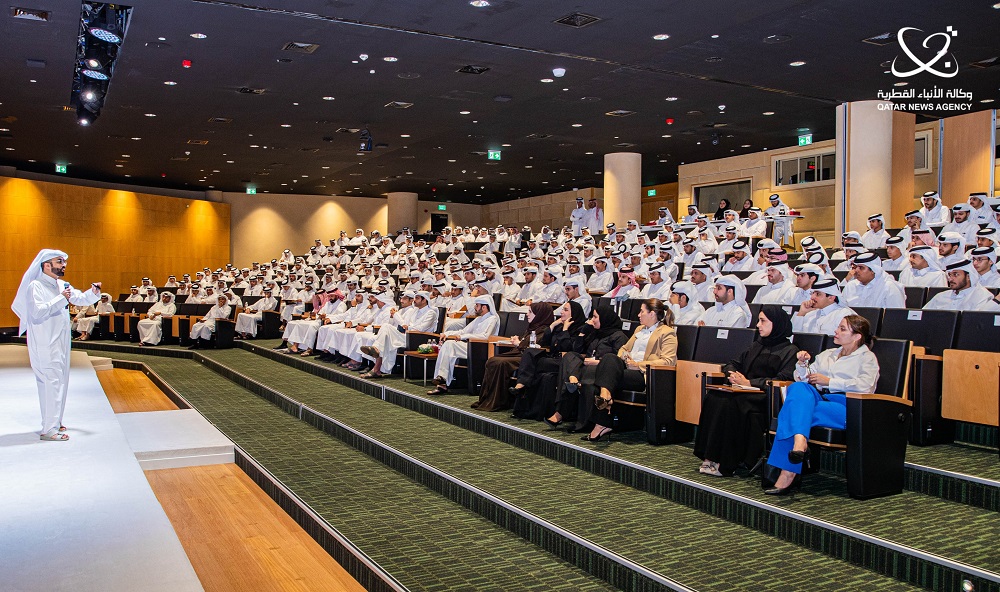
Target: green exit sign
(442,207)
(493,155)
(61,168)
(251,191)
(805,140)
(650,193)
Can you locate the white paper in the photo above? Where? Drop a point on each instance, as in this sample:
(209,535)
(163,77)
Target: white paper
(914,315)
(722,334)
(520,317)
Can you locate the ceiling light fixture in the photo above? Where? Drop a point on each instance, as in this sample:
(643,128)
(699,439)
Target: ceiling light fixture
(479,3)
(198,35)
(661,37)
(286,125)
(670,99)
(797,64)
(558,72)
(547,80)
(390,59)
(768,113)
(901,83)
(404,135)
(150,114)
(464,112)
(505,145)
(170,83)
(577,125)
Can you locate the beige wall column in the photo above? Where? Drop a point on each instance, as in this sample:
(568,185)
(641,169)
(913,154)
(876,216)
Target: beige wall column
(968,156)
(622,187)
(876,145)
(402,211)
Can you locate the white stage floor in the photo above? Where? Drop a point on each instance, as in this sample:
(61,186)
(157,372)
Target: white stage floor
(78,515)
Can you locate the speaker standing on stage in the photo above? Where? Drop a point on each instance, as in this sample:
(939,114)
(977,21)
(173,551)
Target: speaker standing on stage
(42,304)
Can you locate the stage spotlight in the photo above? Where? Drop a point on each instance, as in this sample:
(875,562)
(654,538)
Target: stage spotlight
(104,24)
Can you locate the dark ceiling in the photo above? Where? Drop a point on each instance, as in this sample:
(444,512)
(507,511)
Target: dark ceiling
(727,52)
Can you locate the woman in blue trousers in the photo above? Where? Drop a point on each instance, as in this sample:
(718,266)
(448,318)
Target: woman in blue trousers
(817,396)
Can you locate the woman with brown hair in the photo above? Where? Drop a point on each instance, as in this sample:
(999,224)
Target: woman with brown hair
(817,397)
(654,342)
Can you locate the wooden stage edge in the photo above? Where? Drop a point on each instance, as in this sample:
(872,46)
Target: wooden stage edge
(236,537)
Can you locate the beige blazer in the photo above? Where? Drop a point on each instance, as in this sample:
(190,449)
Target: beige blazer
(661,349)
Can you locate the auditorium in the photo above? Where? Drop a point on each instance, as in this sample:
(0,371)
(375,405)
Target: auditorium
(493,295)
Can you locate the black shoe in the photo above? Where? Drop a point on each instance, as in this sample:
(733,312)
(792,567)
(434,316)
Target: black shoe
(323,357)
(603,432)
(515,392)
(798,456)
(554,424)
(781,491)
(282,345)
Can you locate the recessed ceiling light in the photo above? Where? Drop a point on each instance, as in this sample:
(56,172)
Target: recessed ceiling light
(404,135)
(161,38)
(479,3)
(745,146)
(151,115)
(901,83)
(464,112)
(715,36)
(126,156)
(987,100)
(4,129)
(666,136)
(543,80)
(768,113)
(286,125)
(136,139)
(254,146)
(505,145)
(198,35)
(8,148)
(230,161)
(32,160)
(671,99)
(797,64)
(451,160)
(32,80)
(588,153)
(328,98)
(997,6)
(170,83)
(661,37)
(390,59)
(120,166)
(577,125)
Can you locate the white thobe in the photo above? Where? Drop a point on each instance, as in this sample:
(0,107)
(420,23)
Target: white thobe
(600,281)
(151,328)
(874,240)
(730,314)
(936,216)
(881,292)
(352,347)
(754,227)
(578,218)
(302,332)
(204,328)
(925,277)
(49,344)
(246,322)
(972,298)
(660,291)
(688,315)
(781,293)
(821,320)
(451,351)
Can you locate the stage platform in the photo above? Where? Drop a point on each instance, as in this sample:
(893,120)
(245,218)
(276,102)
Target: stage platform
(78,515)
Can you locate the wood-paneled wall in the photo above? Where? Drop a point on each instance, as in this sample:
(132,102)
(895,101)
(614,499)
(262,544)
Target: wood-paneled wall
(968,156)
(115,237)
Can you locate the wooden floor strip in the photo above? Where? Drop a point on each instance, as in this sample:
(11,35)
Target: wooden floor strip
(130,391)
(238,539)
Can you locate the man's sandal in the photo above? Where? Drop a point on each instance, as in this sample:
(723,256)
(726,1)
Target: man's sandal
(54,437)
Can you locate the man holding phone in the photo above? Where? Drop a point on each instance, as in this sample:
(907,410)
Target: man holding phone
(42,304)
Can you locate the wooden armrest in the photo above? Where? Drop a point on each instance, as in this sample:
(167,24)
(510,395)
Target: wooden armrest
(662,367)
(730,389)
(928,357)
(877,397)
(780,383)
(423,333)
(715,375)
(477,340)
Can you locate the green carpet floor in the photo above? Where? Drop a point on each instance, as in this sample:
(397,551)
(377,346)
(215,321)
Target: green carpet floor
(421,538)
(960,533)
(701,551)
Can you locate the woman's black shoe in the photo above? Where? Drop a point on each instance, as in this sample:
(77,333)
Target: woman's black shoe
(514,391)
(554,424)
(798,456)
(796,483)
(597,438)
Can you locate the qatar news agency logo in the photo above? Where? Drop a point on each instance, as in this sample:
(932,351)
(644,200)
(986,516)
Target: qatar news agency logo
(941,64)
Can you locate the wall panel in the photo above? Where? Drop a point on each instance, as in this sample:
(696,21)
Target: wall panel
(115,237)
